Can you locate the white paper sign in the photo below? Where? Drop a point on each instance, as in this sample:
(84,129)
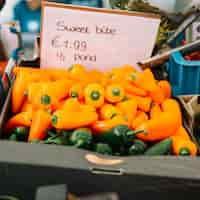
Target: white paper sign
(96,38)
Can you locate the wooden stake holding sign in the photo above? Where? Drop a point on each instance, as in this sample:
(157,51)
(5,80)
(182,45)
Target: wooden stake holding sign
(96,38)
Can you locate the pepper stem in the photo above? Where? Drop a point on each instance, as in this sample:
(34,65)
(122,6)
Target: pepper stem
(79,143)
(132,133)
(184,152)
(50,139)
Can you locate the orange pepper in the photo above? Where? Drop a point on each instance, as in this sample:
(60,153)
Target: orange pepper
(59,89)
(40,124)
(182,133)
(45,95)
(52,74)
(21,119)
(166,88)
(71,105)
(157,95)
(27,107)
(115,74)
(94,95)
(129,96)
(165,125)
(71,119)
(104,81)
(144,103)
(18,69)
(76,91)
(144,80)
(130,88)
(140,118)
(77,72)
(183,147)
(57,105)
(155,111)
(18,91)
(129,109)
(95,76)
(23,79)
(57,74)
(39,98)
(35,74)
(128,69)
(108,111)
(114,93)
(106,125)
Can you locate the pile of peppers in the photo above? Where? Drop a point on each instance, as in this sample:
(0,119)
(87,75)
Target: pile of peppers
(108,111)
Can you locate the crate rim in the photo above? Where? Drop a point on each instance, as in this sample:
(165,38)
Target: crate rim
(52,156)
(178,57)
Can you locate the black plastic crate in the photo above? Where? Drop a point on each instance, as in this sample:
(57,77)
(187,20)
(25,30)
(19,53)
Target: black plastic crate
(24,167)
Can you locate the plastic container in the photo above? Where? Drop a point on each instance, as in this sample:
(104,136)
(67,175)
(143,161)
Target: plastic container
(184,75)
(178,41)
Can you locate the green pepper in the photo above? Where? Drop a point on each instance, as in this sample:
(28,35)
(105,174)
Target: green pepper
(51,134)
(13,137)
(81,138)
(58,140)
(103,149)
(8,198)
(123,151)
(22,133)
(138,148)
(66,134)
(161,148)
(60,137)
(19,134)
(117,137)
(36,141)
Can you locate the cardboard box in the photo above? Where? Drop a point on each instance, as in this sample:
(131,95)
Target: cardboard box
(190,108)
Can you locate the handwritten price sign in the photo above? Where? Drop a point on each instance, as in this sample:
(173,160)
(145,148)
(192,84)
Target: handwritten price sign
(96,38)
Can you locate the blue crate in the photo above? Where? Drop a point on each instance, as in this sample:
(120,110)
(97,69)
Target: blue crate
(184,75)
(178,41)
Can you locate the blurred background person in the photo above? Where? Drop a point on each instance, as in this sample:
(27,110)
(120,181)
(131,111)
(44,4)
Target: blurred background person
(2,54)
(28,14)
(89,3)
(2,3)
